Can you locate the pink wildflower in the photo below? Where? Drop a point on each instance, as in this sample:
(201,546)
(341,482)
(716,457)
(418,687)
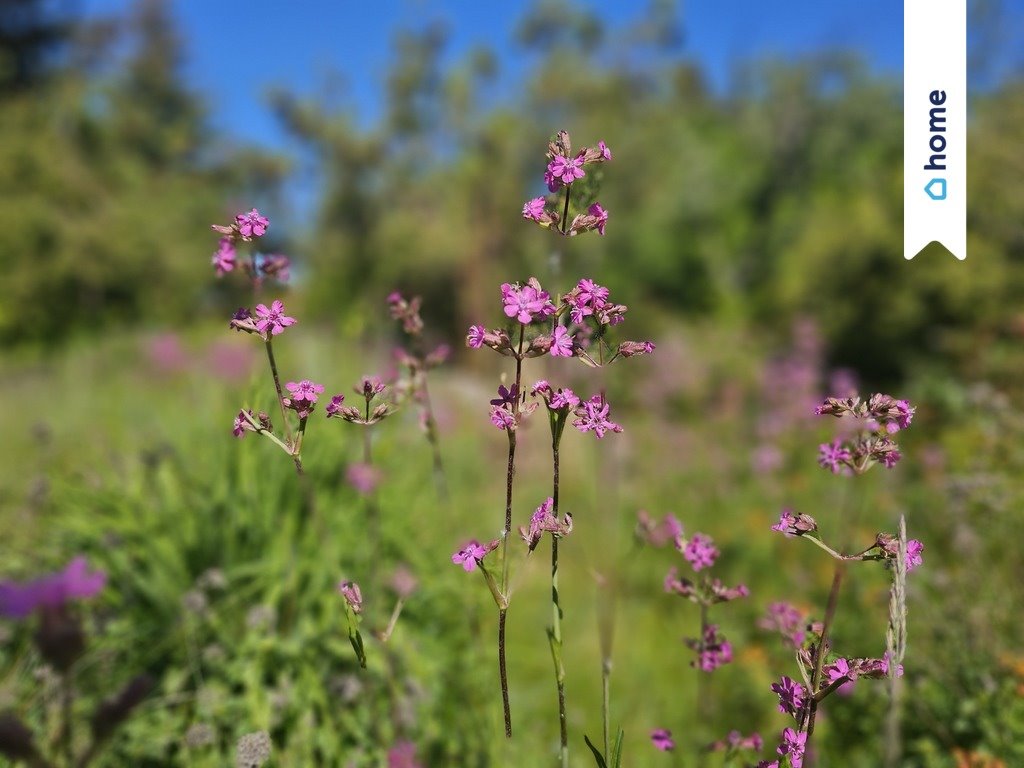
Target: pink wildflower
(661,738)
(562,343)
(75,582)
(224,259)
(534,209)
(592,415)
(471,554)
(565,170)
(601,214)
(350,591)
(251,224)
(273,318)
(700,552)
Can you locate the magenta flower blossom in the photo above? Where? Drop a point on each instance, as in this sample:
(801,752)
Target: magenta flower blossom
(592,415)
(304,390)
(564,398)
(713,650)
(905,413)
(334,407)
(243,424)
(543,519)
(606,154)
(75,582)
(369,387)
(534,209)
(700,552)
(601,214)
(836,671)
(792,524)
(791,695)
(472,554)
(793,744)
(914,550)
(589,292)
(251,224)
(502,417)
(273,318)
(833,456)
(350,591)
(890,458)
(661,738)
(526,303)
(562,342)
(552,182)
(565,170)
(475,337)
(224,259)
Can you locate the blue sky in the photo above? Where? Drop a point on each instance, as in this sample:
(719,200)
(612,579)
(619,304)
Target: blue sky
(236,50)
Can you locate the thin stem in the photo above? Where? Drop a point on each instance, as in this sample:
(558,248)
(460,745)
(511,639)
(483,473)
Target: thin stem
(440,478)
(703,712)
(556,611)
(503,672)
(565,210)
(807,723)
(606,674)
(509,476)
(280,401)
(386,634)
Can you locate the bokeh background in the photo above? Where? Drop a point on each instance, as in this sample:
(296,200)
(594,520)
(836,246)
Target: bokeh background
(756,235)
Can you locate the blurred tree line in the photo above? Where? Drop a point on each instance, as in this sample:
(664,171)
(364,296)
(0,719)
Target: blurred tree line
(779,197)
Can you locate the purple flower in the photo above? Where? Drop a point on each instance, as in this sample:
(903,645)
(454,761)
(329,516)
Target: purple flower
(552,182)
(838,670)
(471,554)
(273,318)
(369,387)
(564,398)
(543,519)
(793,744)
(833,456)
(334,407)
(661,738)
(914,550)
(475,337)
(713,650)
(527,302)
(905,413)
(890,458)
(224,259)
(565,170)
(791,695)
(251,224)
(562,342)
(534,209)
(589,292)
(506,395)
(502,417)
(791,524)
(242,424)
(606,154)
(700,552)
(592,415)
(75,582)
(304,390)
(601,214)
(350,591)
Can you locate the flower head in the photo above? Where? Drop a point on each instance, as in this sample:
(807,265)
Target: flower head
(534,209)
(75,582)
(251,224)
(700,552)
(791,695)
(224,259)
(600,214)
(566,170)
(543,519)
(606,154)
(793,744)
(273,318)
(592,416)
(526,303)
(472,554)
(353,596)
(661,738)
(561,342)
(914,550)
(833,456)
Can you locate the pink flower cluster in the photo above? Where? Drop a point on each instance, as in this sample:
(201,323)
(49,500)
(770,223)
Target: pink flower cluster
(544,520)
(563,169)
(247,227)
(472,554)
(713,650)
(882,417)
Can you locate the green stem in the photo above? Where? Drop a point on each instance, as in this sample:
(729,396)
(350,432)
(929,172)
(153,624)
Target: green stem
(555,633)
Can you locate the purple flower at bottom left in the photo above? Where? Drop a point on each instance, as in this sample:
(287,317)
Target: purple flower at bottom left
(75,582)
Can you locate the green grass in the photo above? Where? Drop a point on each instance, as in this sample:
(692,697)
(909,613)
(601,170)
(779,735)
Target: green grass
(138,470)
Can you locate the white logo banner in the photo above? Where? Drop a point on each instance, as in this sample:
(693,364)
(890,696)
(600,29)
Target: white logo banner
(935,125)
